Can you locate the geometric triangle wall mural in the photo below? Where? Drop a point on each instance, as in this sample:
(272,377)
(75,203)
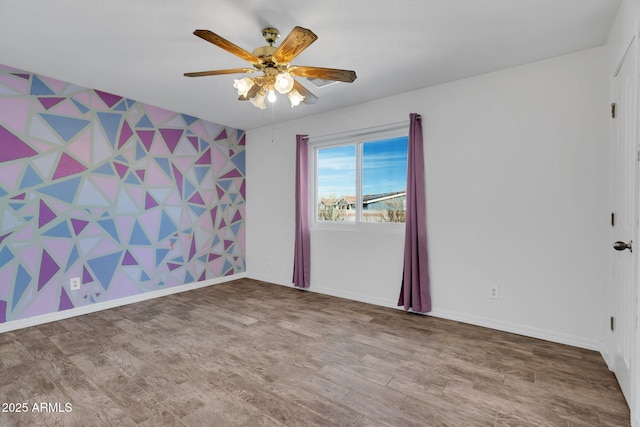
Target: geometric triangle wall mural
(128,197)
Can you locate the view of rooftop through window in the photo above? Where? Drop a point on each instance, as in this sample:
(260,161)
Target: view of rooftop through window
(382,165)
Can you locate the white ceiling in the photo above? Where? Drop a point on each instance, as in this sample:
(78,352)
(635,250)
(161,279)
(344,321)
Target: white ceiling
(141,48)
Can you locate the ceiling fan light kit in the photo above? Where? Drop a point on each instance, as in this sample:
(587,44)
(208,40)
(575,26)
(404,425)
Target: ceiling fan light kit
(273,62)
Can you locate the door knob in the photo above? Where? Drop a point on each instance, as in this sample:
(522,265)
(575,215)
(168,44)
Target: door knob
(621,246)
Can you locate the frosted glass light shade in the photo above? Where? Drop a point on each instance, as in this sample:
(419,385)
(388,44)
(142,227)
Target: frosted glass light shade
(258,101)
(243,85)
(271,97)
(295,98)
(284,83)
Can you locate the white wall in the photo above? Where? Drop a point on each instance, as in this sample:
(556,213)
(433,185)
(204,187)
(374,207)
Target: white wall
(516,172)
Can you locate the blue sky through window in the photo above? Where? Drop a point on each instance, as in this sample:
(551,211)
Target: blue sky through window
(384,168)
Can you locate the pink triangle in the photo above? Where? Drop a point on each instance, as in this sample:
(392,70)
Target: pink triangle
(121,169)
(205,159)
(146,136)
(78,225)
(12,147)
(108,98)
(45,215)
(68,166)
(50,101)
(171,137)
(125,134)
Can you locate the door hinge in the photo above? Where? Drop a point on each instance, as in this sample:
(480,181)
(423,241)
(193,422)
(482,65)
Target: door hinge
(613,110)
(613,219)
(612,323)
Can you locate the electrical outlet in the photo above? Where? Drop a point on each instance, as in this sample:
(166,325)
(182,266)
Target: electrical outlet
(494,292)
(74,283)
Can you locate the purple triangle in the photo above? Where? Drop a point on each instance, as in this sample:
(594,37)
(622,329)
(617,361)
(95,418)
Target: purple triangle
(236,217)
(121,169)
(12,147)
(86,276)
(149,202)
(205,159)
(48,269)
(68,166)
(197,199)
(125,134)
(194,141)
(19,196)
(146,136)
(78,225)
(65,302)
(108,98)
(242,190)
(3,311)
(214,213)
(192,251)
(220,192)
(173,266)
(45,215)
(227,243)
(203,276)
(22,75)
(129,259)
(140,173)
(213,256)
(233,173)
(222,135)
(222,223)
(50,101)
(4,236)
(242,140)
(178,177)
(171,137)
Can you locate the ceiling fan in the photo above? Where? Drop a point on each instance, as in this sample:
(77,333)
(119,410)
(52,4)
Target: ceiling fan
(274,64)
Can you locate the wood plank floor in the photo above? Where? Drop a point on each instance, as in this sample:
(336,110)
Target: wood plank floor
(246,353)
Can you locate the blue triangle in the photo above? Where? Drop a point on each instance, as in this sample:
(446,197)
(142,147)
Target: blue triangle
(16,206)
(178,259)
(203,145)
(202,258)
(239,161)
(164,164)
(189,188)
(189,119)
(122,106)
(120,158)
(22,282)
(80,106)
(38,87)
(3,192)
(144,122)
(198,210)
(5,256)
(140,151)
(111,124)
(138,237)
(60,230)
(224,183)
(104,267)
(233,197)
(236,227)
(167,227)
(105,169)
(30,178)
(160,254)
(188,278)
(130,103)
(216,240)
(227,266)
(64,190)
(201,172)
(66,127)
(132,179)
(72,258)
(110,227)
(144,277)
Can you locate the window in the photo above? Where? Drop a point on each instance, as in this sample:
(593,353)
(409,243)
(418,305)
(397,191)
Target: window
(361,180)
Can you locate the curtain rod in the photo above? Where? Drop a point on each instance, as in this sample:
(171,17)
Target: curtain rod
(362,131)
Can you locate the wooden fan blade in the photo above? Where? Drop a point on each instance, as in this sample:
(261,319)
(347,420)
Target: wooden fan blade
(298,40)
(309,98)
(218,72)
(346,76)
(225,44)
(252,92)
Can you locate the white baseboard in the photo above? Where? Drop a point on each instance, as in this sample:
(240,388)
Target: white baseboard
(456,316)
(92,308)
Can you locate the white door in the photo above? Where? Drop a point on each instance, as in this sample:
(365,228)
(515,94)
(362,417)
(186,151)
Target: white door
(625,217)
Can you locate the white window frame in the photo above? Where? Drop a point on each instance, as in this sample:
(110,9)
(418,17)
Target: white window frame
(356,138)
